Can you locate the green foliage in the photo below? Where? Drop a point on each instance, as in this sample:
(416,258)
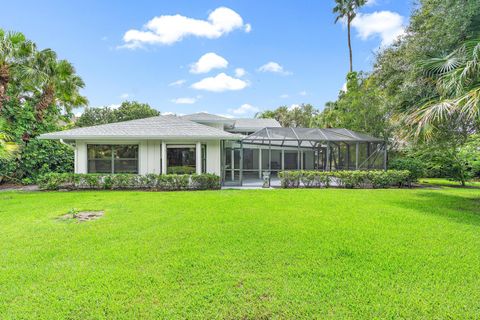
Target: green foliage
(169,182)
(128,110)
(345,179)
(362,107)
(301,116)
(415,166)
(180,170)
(205,181)
(42,156)
(41,91)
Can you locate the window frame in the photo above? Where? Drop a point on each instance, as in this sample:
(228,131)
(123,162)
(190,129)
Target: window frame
(113,157)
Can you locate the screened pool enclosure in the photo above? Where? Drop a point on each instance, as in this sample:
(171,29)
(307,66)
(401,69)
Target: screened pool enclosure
(276,149)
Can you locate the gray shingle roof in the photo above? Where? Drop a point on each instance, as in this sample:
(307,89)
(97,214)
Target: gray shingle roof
(254,124)
(205,117)
(160,127)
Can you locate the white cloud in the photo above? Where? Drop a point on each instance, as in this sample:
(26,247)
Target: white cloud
(284,96)
(240,72)
(185,100)
(344,87)
(273,67)
(168,29)
(303,93)
(208,62)
(387,25)
(371,2)
(124,96)
(244,108)
(177,83)
(220,83)
(248,28)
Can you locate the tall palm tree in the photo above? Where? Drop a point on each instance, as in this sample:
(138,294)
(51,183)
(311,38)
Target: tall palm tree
(347,9)
(457,79)
(57,81)
(14,50)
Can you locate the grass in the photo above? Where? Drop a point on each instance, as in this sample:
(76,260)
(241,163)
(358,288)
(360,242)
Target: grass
(241,254)
(441,182)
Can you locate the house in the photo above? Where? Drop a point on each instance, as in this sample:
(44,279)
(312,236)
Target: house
(235,149)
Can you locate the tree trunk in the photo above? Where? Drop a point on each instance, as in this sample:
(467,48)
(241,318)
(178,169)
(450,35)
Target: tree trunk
(45,101)
(350,43)
(4,79)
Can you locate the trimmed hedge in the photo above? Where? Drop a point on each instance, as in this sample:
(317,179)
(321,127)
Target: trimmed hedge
(168,182)
(346,179)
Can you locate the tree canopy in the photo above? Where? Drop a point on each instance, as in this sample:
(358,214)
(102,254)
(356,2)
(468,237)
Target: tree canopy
(128,110)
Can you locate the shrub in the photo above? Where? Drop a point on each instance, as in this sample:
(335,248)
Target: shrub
(55,181)
(290,179)
(205,181)
(148,181)
(39,157)
(181,170)
(414,166)
(345,179)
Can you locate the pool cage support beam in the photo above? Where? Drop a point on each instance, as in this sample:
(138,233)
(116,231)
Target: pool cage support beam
(357,154)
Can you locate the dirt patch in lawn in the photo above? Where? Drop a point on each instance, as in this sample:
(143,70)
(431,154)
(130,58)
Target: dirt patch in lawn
(82,216)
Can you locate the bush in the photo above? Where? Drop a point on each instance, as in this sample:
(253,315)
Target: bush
(181,170)
(345,179)
(205,181)
(290,179)
(55,181)
(414,166)
(170,182)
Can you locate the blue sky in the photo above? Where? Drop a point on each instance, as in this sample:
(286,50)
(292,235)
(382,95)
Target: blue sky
(257,55)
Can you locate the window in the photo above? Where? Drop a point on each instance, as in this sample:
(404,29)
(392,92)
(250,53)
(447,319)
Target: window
(112,158)
(181,160)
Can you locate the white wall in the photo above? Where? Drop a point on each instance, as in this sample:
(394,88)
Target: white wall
(149,154)
(213,157)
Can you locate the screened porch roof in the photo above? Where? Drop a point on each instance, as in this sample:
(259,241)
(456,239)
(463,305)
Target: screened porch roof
(306,137)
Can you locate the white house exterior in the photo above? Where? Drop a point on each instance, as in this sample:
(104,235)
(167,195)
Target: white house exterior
(152,145)
(234,149)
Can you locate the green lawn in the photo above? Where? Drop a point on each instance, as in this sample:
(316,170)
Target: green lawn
(440,182)
(240,254)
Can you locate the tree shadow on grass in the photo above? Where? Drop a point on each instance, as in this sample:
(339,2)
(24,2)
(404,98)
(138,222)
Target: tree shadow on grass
(459,208)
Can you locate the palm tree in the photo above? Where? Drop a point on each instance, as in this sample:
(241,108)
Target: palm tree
(58,83)
(457,79)
(14,50)
(347,9)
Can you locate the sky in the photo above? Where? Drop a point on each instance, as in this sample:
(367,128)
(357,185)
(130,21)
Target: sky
(232,58)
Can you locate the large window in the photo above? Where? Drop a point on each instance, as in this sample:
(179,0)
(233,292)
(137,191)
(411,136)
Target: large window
(181,160)
(112,158)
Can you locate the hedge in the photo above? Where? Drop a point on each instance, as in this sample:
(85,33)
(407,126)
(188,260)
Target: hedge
(345,179)
(168,182)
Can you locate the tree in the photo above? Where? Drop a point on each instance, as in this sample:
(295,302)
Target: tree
(362,107)
(295,116)
(347,9)
(128,110)
(131,110)
(37,93)
(14,50)
(457,99)
(95,116)
(60,85)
